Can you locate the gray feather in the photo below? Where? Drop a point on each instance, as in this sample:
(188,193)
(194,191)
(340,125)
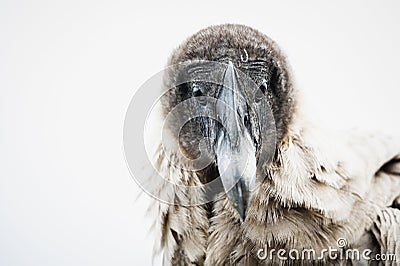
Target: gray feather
(320,186)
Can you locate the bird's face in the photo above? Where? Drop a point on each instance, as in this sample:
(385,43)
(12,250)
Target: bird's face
(242,104)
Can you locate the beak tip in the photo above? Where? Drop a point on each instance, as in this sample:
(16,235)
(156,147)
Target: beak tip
(240,211)
(242,217)
(239,204)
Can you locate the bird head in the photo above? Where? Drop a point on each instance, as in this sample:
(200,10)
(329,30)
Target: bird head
(237,80)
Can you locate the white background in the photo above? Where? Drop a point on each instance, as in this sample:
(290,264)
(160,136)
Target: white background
(69,69)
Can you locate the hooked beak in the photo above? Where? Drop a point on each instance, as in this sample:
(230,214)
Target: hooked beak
(235,149)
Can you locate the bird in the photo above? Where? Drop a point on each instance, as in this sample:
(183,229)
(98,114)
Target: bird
(314,186)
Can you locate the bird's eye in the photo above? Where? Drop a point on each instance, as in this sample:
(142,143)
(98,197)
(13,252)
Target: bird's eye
(198,93)
(261,92)
(264,87)
(196,90)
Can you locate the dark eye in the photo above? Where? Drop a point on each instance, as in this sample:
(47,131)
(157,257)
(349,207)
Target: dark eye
(198,93)
(264,87)
(197,90)
(261,92)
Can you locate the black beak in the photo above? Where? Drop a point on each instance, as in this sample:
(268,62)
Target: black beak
(235,149)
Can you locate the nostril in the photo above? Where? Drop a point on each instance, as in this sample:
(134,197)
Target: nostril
(246,120)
